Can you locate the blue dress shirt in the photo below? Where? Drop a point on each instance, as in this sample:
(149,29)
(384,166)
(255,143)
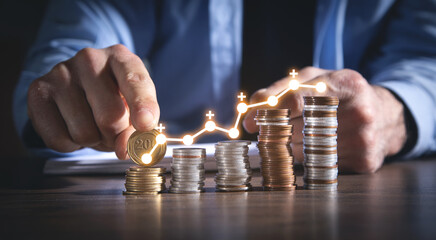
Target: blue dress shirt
(192,49)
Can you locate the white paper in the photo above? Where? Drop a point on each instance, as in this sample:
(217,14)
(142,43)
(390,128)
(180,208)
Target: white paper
(107,163)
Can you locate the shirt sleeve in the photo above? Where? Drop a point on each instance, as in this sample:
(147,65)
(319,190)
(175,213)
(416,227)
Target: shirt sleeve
(406,65)
(68,26)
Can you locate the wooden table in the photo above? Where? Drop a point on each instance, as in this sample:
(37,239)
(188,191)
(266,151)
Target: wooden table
(397,202)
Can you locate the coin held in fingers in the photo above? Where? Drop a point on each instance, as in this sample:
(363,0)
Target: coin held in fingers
(143,148)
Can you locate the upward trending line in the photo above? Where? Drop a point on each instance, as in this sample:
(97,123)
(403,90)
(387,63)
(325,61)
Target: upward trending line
(242,108)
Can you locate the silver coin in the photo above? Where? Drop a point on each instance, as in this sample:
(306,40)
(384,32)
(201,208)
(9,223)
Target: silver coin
(320,164)
(331,186)
(187,174)
(320,108)
(330,174)
(235,143)
(184,191)
(186,188)
(308,140)
(233,189)
(189,150)
(179,166)
(233,164)
(187,183)
(331,148)
(230,182)
(320,131)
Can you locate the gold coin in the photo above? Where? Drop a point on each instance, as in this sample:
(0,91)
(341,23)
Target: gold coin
(132,174)
(145,181)
(143,142)
(135,188)
(130,180)
(147,169)
(140,193)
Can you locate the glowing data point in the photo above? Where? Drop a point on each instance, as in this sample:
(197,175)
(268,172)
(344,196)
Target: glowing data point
(294,84)
(233,133)
(210,115)
(321,87)
(293,73)
(210,126)
(146,158)
(188,140)
(272,101)
(242,96)
(160,128)
(242,108)
(161,139)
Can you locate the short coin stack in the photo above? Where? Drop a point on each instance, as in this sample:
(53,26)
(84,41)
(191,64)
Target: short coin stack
(234,172)
(187,170)
(142,180)
(275,136)
(320,143)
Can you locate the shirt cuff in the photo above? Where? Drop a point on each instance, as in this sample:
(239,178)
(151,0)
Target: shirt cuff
(417,101)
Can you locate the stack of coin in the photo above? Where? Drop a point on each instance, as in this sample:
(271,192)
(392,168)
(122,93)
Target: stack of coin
(144,180)
(234,172)
(320,145)
(275,136)
(187,170)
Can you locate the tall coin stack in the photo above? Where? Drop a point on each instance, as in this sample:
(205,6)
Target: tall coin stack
(234,172)
(274,139)
(187,170)
(144,180)
(320,143)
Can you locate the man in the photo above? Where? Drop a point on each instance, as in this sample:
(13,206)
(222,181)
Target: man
(85,84)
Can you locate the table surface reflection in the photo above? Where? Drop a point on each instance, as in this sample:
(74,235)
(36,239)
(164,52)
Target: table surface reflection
(397,202)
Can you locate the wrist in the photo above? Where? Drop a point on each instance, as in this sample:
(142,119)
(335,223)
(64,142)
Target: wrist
(394,121)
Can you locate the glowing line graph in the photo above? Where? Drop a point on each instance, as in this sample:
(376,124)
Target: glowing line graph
(242,107)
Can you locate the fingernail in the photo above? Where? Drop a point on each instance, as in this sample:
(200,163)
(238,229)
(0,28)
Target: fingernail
(145,118)
(122,156)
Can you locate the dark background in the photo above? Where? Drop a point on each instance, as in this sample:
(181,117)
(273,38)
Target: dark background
(19,22)
(271,48)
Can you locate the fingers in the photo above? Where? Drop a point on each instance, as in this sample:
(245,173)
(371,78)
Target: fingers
(309,73)
(136,86)
(297,131)
(345,84)
(297,152)
(360,139)
(47,120)
(121,143)
(102,94)
(292,99)
(72,105)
